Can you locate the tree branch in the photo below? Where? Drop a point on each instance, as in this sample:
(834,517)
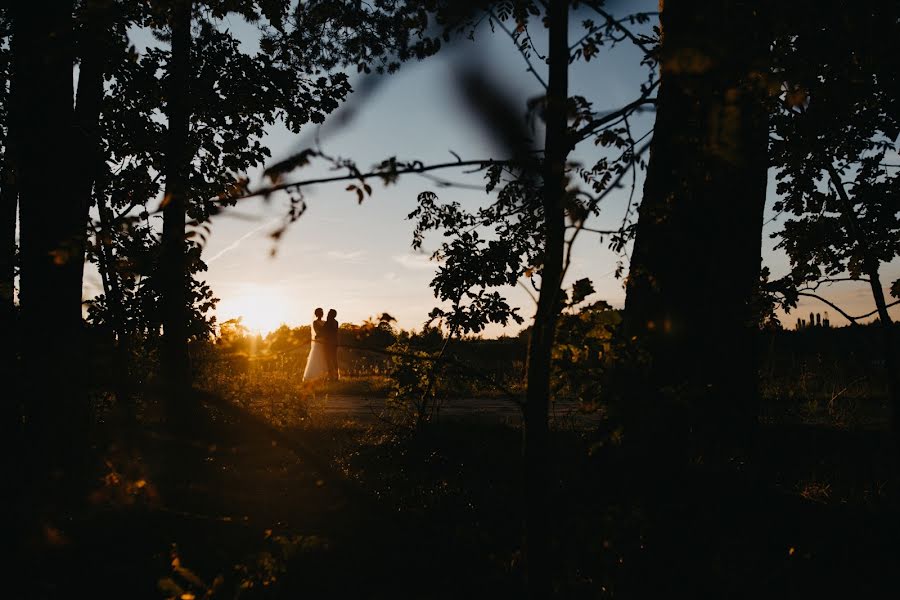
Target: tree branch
(815,286)
(512,36)
(596,200)
(618,25)
(843,313)
(831,304)
(592,230)
(528,291)
(596,124)
(417,169)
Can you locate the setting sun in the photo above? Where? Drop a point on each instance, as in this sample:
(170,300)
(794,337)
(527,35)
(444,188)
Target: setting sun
(262,309)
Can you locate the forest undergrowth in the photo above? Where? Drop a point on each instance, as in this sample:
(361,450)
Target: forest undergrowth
(272,495)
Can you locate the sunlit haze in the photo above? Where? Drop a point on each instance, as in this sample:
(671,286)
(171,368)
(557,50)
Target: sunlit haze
(262,308)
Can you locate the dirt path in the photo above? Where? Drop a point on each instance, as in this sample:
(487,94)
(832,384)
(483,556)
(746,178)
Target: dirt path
(484,410)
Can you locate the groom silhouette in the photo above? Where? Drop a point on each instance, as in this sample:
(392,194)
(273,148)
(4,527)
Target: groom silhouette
(330,340)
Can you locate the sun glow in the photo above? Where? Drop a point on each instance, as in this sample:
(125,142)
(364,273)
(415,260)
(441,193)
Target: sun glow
(261,309)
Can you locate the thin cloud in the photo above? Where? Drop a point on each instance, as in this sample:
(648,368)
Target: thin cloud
(241,239)
(415,261)
(353,256)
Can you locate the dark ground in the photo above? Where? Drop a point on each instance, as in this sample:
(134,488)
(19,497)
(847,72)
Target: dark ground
(239,509)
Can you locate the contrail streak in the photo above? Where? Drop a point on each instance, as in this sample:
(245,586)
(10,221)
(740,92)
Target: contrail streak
(238,241)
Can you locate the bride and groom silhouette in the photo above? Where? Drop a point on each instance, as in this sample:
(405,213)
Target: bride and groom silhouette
(322,360)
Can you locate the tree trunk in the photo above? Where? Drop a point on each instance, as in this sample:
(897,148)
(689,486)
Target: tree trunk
(175,359)
(113,291)
(536,443)
(9,200)
(88,99)
(111,285)
(9,197)
(94,49)
(697,253)
(51,229)
(890,352)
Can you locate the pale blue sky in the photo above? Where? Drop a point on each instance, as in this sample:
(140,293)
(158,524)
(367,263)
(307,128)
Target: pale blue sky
(357,258)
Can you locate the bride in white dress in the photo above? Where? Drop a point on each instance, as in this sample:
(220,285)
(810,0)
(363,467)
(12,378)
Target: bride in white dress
(317,362)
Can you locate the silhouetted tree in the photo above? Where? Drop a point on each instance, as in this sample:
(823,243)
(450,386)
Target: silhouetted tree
(96,46)
(836,136)
(530,218)
(535,444)
(697,252)
(9,196)
(51,228)
(177,163)
(127,177)
(100,42)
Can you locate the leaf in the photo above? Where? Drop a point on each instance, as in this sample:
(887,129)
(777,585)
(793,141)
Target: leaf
(795,97)
(581,289)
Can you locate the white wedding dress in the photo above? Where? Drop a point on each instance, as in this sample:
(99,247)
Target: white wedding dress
(316,362)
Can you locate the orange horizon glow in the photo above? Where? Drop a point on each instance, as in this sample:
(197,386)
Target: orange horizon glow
(261,309)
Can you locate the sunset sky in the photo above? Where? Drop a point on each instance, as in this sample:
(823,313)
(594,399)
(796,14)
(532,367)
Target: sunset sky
(357,258)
